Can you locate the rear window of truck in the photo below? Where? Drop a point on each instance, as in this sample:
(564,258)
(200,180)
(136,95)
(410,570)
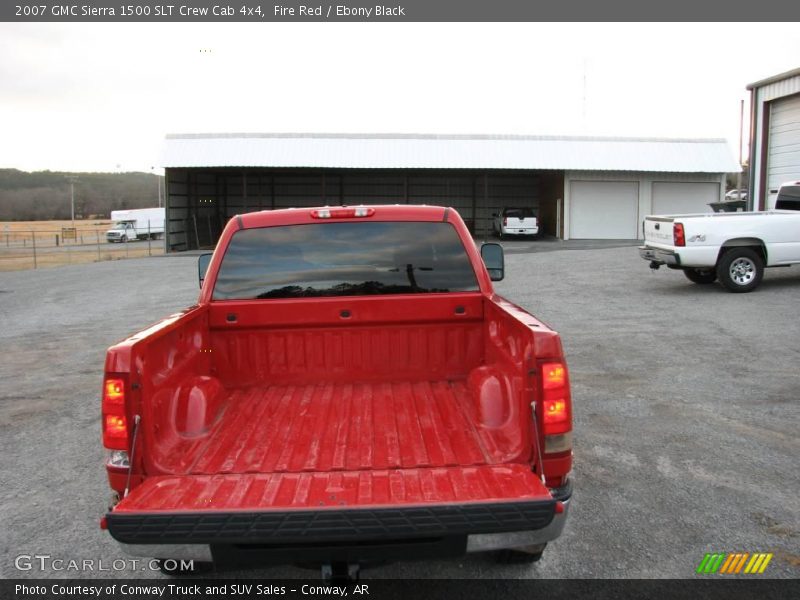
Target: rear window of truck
(344,259)
(519,213)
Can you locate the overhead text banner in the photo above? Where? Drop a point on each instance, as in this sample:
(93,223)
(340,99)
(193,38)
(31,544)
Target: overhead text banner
(401,11)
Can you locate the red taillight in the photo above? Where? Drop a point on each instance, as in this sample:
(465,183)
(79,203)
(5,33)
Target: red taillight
(677,234)
(115,424)
(556,410)
(554,375)
(505,221)
(115,390)
(342,213)
(116,427)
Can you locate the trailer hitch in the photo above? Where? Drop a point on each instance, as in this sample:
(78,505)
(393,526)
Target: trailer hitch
(654,265)
(341,572)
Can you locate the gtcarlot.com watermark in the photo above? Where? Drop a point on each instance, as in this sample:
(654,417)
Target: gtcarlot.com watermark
(47,562)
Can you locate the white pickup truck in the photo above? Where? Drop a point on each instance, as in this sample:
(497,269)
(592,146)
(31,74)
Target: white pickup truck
(515,222)
(732,247)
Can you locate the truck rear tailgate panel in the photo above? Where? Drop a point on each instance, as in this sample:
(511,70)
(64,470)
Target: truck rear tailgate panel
(343,506)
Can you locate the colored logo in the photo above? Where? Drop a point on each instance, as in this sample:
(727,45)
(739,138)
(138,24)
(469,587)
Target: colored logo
(734,563)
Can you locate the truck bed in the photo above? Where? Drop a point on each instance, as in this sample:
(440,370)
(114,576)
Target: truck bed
(342,463)
(344,391)
(343,426)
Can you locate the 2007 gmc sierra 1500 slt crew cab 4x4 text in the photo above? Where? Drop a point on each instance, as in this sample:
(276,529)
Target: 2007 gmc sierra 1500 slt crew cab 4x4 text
(732,247)
(348,388)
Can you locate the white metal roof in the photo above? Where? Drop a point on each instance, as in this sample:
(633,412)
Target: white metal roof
(409,151)
(774,79)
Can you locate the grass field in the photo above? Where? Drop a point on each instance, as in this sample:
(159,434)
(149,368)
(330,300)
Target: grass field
(91,230)
(19,240)
(88,224)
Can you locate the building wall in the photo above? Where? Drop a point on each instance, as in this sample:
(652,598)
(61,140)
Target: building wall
(645,186)
(551,204)
(200,201)
(761,99)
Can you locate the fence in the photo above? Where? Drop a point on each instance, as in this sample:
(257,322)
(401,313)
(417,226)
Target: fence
(47,244)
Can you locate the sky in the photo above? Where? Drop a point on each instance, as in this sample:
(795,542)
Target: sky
(102,96)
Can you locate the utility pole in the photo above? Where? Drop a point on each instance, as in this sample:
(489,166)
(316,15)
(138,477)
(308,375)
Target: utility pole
(72,179)
(584,96)
(158,183)
(739,174)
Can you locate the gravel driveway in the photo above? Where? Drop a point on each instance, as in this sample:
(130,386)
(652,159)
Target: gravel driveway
(686,409)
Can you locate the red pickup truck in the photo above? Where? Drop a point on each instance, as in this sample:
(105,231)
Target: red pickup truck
(348,388)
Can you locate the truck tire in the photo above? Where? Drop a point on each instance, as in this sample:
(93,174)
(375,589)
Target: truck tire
(700,275)
(740,270)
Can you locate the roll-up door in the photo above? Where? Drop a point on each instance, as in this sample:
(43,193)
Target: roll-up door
(675,198)
(604,210)
(783,163)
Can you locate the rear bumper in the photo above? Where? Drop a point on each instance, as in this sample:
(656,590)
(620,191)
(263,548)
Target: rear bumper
(663,257)
(513,231)
(518,539)
(480,542)
(481,527)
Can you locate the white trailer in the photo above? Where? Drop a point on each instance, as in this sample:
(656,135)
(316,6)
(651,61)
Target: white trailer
(140,223)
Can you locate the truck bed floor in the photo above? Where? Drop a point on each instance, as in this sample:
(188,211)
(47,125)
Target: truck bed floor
(343,426)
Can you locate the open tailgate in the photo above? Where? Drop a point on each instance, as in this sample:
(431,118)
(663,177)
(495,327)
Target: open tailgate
(332,506)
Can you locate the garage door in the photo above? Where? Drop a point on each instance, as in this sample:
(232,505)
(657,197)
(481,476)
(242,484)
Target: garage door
(606,210)
(670,198)
(783,163)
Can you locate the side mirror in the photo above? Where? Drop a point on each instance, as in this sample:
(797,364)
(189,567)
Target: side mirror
(492,255)
(202,266)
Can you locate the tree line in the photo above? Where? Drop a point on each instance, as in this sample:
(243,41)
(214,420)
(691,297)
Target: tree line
(45,195)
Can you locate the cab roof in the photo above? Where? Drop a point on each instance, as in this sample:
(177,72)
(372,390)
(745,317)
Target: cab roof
(306,215)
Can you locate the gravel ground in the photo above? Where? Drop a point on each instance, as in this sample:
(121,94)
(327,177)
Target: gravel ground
(685,411)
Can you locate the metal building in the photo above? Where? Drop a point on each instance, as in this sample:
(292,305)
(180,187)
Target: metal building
(580,187)
(774,136)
